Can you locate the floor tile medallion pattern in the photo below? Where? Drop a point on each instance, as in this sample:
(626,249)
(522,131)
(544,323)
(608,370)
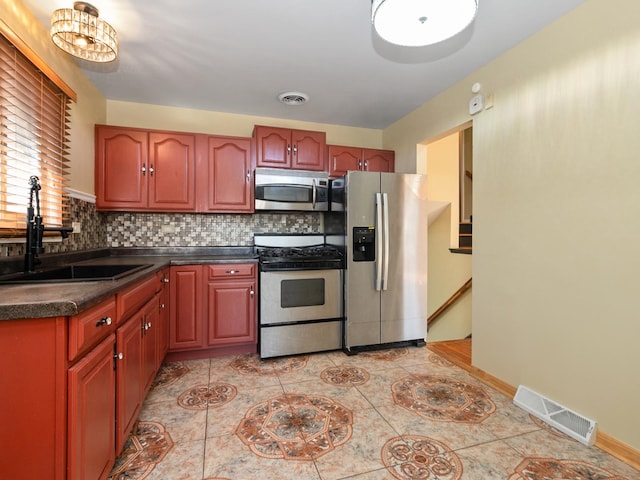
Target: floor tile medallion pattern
(202,396)
(443,399)
(344,376)
(543,468)
(148,445)
(170,373)
(416,457)
(252,365)
(403,414)
(296,427)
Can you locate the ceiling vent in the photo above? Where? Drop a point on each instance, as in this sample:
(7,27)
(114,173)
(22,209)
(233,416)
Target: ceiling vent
(293,98)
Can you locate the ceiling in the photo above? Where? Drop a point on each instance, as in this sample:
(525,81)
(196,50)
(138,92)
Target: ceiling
(236,56)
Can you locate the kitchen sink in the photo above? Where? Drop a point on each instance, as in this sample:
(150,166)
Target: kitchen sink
(74,273)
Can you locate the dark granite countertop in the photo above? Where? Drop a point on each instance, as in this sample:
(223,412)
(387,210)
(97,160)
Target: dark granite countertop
(22,301)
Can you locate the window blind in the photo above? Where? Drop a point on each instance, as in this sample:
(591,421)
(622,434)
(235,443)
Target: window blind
(34,130)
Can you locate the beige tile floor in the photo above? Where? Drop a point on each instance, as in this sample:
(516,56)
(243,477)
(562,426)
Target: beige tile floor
(404,413)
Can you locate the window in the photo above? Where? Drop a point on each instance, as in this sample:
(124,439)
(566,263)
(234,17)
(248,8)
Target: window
(33,140)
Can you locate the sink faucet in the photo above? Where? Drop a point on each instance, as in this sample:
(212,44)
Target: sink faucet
(35,228)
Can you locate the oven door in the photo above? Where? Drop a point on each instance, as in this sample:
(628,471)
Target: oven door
(300,295)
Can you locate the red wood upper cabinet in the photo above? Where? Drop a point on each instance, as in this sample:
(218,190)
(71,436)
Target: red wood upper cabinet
(171,171)
(121,163)
(343,159)
(308,150)
(287,148)
(140,170)
(378,160)
(226,182)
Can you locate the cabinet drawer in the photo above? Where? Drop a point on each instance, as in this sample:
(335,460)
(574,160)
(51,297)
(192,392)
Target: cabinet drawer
(90,327)
(130,300)
(232,270)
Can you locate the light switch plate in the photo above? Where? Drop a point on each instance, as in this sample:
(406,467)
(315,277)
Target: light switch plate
(476,104)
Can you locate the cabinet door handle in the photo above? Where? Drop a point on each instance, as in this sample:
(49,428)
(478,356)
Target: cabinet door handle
(118,356)
(151,170)
(295,149)
(232,272)
(288,149)
(165,280)
(104,321)
(248,176)
(366,164)
(144,169)
(162,306)
(359,164)
(252,292)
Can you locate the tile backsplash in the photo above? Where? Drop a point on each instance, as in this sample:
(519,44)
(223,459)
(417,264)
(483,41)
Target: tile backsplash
(202,230)
(119,229)
(93,233)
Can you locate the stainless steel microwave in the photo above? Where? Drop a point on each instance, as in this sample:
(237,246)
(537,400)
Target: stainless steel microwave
(296,190)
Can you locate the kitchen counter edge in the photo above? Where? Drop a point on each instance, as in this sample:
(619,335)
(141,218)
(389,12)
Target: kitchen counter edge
(44,300)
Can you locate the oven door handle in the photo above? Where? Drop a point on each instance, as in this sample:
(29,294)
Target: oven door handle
(379,239)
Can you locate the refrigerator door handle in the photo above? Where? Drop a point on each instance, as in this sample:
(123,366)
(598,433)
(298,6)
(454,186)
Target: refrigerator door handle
(379,229)
(385,215)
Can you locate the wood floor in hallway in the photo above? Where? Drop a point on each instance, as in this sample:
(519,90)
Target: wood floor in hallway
(457,352)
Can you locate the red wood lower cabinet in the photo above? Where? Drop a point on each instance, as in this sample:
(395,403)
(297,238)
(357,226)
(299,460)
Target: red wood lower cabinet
(163,317)
(187,326)
(213,310)
(150,344)
(33,399)
(128,377)
(231,308)
(92,391)
(65,412)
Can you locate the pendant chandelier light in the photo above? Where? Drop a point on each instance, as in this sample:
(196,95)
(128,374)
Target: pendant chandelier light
(81,33)
(415,23)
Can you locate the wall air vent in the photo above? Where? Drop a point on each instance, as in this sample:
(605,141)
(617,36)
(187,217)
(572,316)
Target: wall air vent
(565,420)
(293,98)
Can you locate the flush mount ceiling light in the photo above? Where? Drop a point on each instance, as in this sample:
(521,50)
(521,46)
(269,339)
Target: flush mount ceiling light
(416,23)
(81,33)
(293,98)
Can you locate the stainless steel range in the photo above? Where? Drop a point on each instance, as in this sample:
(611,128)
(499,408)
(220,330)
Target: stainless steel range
(301,300)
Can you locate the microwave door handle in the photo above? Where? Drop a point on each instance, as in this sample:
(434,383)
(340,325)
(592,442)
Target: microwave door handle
(313,194)
(385,215)
(378,241)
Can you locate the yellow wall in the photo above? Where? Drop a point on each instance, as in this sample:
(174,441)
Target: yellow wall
(443,179)
(92,108)
(556,203)
(447,273)
(85,113)
(556,209)
(202,121)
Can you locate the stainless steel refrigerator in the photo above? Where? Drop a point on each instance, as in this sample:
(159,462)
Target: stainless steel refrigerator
(385,239)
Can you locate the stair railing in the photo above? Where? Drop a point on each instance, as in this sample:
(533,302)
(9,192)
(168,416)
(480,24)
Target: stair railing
(452,299)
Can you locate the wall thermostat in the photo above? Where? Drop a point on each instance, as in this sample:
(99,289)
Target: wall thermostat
(476,104)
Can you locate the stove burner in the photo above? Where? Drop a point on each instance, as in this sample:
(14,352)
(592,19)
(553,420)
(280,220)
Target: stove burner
(300,258)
